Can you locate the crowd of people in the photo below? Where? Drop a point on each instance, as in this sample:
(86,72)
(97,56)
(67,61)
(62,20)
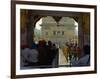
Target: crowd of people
(77,56)
(84,59)
(38,55)
(43,54)
(71,51)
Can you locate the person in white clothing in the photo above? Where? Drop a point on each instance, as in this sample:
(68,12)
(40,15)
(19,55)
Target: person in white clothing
(29,57)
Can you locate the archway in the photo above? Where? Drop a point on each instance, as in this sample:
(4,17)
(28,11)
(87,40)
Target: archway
(32,17)
(59,32)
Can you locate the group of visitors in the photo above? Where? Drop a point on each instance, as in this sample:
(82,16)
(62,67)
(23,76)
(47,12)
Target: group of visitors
(84,59)
(38,55)
(72,51)
(77,56)
(43,55)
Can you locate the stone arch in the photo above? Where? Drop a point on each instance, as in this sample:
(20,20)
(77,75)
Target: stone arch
(62,21)
(32,16)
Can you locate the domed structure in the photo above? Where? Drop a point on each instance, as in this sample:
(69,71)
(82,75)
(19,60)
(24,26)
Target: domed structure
(59,34)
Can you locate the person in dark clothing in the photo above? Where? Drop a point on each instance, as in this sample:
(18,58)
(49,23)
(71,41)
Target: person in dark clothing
(34,46)
(85,59)
(46,54)
(52,52)
(42,49)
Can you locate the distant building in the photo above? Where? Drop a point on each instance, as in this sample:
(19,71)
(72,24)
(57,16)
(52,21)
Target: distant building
(58,33)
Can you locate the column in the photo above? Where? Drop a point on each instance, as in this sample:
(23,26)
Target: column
(80,34)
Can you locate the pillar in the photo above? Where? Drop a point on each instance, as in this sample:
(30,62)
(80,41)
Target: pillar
(30,29)
(80,34)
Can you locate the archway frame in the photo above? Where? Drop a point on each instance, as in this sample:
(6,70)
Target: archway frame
(77,16)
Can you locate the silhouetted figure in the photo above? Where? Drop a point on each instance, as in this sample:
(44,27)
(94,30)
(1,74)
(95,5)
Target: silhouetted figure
(46,54)
(43,54)
(50,44)
(52,53)
(78,52)
(85,60)
(34,46)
